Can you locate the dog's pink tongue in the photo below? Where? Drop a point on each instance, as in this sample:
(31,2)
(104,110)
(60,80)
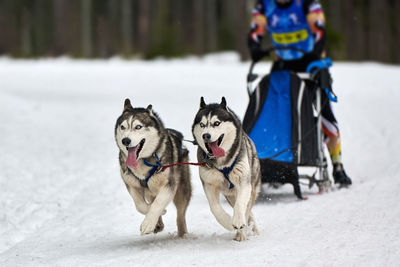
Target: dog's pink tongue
(216,150)
(131,161)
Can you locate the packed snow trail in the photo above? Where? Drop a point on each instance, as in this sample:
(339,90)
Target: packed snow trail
(63,203)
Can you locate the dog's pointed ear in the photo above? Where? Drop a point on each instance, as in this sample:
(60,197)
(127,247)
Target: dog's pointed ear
(150,108)
(127,105)
(202,103)
(223,103)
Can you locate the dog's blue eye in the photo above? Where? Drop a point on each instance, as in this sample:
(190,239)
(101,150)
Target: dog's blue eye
(122,127)
(217,123)
(138,127)
(202,125)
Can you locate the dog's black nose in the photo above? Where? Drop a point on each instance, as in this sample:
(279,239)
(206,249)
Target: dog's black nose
(126,141)
(206,137)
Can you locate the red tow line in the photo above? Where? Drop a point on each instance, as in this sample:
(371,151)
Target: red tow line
(181,163)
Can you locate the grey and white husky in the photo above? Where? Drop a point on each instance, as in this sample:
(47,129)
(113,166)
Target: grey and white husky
(232,166)
(145,146)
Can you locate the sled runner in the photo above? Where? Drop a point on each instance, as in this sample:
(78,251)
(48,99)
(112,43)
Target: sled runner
(283,118)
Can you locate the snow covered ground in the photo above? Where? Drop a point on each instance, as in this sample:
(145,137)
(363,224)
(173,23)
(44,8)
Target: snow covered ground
(63,203)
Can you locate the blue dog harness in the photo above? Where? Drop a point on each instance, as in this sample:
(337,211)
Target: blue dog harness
(226,171)
(158,167)
(155,168)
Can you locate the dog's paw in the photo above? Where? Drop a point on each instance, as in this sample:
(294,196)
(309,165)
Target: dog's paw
(159,226)
(255,230)
(240,236)
(238,221)
(148,226)
(252,225)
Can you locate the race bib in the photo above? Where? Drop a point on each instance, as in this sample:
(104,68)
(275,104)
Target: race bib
(290,37)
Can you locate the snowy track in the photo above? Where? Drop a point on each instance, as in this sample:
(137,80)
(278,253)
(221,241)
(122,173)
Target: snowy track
(63,203)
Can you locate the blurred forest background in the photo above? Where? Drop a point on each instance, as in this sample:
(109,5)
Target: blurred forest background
(357,29)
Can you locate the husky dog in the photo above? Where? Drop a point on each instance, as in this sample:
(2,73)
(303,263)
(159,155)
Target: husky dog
(145,146)
(231,166)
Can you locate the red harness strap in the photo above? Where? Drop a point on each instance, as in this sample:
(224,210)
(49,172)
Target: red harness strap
(181,163)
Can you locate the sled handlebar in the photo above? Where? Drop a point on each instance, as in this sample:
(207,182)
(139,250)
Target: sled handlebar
(266,53)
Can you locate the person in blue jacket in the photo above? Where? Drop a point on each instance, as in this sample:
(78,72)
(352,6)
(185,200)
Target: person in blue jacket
(299,24)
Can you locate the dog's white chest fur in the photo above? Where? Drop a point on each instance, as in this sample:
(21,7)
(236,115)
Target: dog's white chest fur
(214,177)
(154,183)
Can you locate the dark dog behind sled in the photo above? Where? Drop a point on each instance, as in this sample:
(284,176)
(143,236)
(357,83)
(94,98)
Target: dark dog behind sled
(274,172)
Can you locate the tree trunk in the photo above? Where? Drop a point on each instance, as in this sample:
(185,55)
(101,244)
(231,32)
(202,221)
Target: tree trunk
(176,13)
(144,26)
(9,30)
(59,30)
(335,22)
(40,27)
(241,22)
(26,33)
(384,33)
(127,26)
(198,27)
(351,44)
(396,31)
(211,25)
(86,27)
(359,30)
(102,37)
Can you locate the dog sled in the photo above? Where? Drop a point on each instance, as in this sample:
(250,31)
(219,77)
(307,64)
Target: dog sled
(283,118)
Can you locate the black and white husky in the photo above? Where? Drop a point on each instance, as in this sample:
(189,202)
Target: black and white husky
(232,166)
(145,146)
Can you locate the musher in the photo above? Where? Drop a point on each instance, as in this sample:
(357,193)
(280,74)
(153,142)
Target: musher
(299,24)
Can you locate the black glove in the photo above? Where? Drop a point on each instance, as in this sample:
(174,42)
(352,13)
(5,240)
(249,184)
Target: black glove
(320,41)
(255,49)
